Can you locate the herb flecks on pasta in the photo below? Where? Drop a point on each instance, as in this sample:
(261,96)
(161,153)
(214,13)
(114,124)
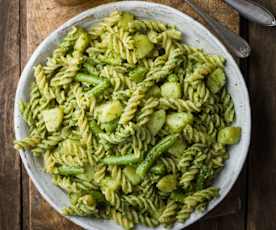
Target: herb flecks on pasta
(132,123)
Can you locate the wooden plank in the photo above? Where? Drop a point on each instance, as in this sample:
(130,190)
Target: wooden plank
(262,156)
(229,222)
(217,8)
(39,11)
(10,209)
(41,215)
(23,57)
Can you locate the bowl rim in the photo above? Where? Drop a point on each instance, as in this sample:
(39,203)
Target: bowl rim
(83,16)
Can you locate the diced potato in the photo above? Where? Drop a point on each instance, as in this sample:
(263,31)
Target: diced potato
(229,135)
(171,90)
(143,45)
(156,122)
(216,80)
(109,111)
(110,184)
(131,174)
(177,121)
(178,148)
(53,118)
(167,183)
(125,19)
(89,200)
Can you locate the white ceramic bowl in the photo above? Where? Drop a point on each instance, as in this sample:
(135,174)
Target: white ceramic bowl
(196,35)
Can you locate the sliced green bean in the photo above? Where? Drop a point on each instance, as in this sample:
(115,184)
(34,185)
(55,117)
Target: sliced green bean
(98,196)
(89,79)
(70,170)
(178,196)
(155,153)
(95,128)
(110,126)
(91,69)
(121,160)
(99,89)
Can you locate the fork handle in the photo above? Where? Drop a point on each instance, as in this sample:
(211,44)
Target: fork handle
(253,11)
(233,41)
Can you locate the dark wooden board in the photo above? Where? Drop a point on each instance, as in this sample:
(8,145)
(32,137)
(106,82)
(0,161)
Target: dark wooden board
(22,28)
(37,30)
(262,156)
(37,11)
(10,176)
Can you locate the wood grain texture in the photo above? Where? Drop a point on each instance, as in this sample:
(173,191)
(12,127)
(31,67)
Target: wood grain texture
(45,16)
(24,58)
(10,176)
(229,222)
(262,156)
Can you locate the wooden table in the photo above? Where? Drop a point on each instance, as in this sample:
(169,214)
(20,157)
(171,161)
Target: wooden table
(250,205)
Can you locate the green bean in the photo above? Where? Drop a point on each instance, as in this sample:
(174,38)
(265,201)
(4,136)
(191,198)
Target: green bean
(99,89)
(121,160)
(70,170)
(155,153)
(95,128)
(178,196)
(91,69)
(88,78)
(98,196)
(110,126)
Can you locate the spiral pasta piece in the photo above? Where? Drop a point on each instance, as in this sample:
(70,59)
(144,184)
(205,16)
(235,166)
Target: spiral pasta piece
(168,215)
(46,144)
(85,206)
(195,199)
(141,218)
(200,72)
(171,64)
(140,202)
(125,222)
(193,135)
(42,83)
(144,25)
(179,105)
(147,110)
(228,106)
(85,131)
(132,106)
(27,143)
(122,135)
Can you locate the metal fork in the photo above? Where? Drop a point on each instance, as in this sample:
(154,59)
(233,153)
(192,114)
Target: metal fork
(253,12)
(233,41)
